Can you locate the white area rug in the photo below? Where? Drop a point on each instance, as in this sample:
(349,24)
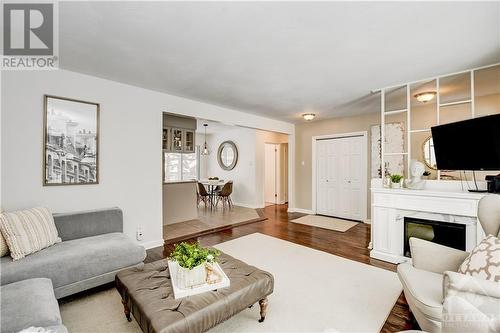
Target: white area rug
(314,292)
(325,222)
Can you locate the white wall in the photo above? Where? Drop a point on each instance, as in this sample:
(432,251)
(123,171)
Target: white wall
(130,145)
(243,174)
(248,175)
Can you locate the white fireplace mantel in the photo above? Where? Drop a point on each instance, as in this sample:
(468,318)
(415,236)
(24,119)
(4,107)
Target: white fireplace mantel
(441,200)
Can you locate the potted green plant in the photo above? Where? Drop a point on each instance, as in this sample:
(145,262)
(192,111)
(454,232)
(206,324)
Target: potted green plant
(192,260)
(396,180)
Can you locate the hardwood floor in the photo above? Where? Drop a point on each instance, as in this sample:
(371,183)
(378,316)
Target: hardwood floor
(352,244)
(210,221)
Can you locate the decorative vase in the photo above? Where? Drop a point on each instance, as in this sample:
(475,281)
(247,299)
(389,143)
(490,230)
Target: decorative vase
(187,278)
(387,182)
(395,185)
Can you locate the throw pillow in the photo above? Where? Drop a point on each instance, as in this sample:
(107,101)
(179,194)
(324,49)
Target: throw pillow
(484,260)
(28,231)
(4,249)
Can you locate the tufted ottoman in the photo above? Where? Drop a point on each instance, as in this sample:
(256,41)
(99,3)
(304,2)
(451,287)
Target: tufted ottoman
(147,294)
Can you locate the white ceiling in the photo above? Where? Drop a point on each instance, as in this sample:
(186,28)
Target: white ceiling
(277,59)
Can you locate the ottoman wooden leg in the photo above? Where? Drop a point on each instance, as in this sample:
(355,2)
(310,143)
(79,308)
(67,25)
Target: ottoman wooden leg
(126,310)
(263,309)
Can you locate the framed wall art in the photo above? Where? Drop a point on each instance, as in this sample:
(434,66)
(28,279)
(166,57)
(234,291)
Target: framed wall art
(71,141)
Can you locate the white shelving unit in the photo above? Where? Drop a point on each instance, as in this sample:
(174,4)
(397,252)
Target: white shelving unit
(441,104)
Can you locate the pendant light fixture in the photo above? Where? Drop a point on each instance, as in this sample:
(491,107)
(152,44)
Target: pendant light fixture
(205,146)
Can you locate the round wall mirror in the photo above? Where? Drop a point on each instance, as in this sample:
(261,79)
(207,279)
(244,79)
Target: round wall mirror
(428,153)
(227,155)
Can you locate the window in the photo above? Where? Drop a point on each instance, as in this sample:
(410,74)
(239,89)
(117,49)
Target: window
(179,166)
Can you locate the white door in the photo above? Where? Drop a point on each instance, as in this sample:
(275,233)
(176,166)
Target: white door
(340,177)
(270,188)
(327,181)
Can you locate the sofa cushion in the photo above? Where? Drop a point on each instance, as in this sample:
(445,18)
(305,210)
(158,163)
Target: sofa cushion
(28,231)
(423,289)
(28,303)
(72,261)
(48,329)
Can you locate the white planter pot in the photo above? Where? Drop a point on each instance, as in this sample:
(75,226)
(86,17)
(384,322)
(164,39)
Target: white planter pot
(187,278)
(395,185)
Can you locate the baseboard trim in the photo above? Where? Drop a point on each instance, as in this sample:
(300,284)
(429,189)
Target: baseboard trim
(300,210)
(152,244)
(395,259)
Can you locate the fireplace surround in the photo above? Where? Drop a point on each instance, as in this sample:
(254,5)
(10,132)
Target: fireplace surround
(440,201)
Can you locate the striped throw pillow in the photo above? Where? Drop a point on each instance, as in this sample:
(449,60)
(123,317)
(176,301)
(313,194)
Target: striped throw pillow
(28,231)
(4,249)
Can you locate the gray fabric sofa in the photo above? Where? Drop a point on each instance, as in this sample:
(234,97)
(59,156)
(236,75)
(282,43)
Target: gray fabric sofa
(92,251)
(30,303)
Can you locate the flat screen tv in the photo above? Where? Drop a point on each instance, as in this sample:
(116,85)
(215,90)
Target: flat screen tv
(468,145)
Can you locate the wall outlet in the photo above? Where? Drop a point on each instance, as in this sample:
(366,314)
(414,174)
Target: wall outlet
(139,234)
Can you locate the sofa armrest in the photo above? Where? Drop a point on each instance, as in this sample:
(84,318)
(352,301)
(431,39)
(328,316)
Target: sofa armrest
(434,257)
(88,223)
(470,302)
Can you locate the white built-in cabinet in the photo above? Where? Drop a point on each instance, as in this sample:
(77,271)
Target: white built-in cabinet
(178,140)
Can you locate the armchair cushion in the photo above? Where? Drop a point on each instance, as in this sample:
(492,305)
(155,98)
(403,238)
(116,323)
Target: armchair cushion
(423,290)
(484,260)
(435,258)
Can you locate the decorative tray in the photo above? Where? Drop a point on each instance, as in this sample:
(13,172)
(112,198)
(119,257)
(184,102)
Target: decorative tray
(180,292)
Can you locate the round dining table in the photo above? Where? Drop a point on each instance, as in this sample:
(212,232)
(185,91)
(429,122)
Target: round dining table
(212,186)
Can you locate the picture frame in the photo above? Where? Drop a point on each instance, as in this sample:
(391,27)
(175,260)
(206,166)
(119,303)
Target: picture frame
(70,141)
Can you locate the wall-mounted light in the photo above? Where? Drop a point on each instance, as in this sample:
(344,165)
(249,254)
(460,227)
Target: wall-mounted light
(425,96)
(308,116)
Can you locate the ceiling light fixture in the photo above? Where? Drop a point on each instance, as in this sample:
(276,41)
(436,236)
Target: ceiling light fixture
(426,96)
(205,146)
(308,116)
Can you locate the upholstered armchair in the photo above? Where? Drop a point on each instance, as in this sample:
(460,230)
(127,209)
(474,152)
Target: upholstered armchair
(443,300)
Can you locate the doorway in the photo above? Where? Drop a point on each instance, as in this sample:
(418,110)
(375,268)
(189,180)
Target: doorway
(339,166)
(275,173)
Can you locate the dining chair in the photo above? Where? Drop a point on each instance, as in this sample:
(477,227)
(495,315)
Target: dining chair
(203,195)
(224,195)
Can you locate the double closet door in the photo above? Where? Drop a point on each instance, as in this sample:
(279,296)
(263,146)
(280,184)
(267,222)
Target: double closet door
(340,177)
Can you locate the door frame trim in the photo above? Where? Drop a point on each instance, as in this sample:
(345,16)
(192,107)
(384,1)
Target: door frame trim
(364,186)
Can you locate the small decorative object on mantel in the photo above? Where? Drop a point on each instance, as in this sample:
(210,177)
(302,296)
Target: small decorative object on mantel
(396,181)
(387,181)
(417,170)
(194,270)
